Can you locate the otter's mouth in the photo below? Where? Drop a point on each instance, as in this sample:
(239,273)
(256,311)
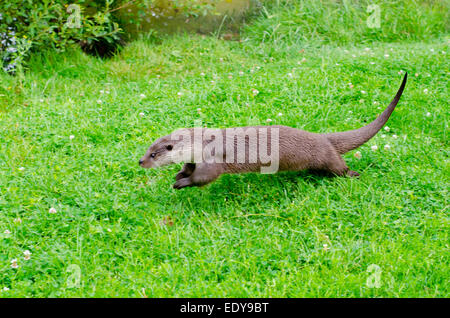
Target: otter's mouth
(144,164)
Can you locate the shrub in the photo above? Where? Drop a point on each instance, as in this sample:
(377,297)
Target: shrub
(27,25)
(30,25)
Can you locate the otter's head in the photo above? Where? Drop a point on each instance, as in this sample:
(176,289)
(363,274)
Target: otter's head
(158,154)
(165,151)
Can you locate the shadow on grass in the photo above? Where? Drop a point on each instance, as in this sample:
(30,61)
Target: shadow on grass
(249,192)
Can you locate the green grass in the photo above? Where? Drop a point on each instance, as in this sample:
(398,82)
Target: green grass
(132,235)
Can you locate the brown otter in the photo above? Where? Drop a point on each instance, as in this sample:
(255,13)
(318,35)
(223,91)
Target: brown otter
(208,153)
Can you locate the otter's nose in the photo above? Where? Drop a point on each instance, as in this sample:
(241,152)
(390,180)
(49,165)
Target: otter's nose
(141,161)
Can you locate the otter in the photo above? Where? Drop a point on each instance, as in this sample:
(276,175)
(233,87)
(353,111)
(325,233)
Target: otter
(209,153)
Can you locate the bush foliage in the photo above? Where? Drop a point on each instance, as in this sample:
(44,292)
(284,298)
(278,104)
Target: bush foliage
(29,25)
(34,25)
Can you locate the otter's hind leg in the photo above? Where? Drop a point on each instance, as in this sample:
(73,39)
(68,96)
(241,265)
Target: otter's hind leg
(337,166)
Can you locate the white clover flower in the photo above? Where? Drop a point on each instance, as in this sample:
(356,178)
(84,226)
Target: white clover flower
(394,136)
(363,92)
(289,75)
(21,168)
(18,220)
(425,90)
(350,85)
(367,49)
(52,210)
(142,95)
(417,74)
(372,63)
(268,120)
(358,155)
(387,147)
(5,288)
(212,82)
(383,136)
(141,114)
(255,91)
(7,232)
(230,76)
(325,247)
(14,263)
(180,93)
(71,137)
(303,60)
(102,91)
(387,128)
(202,74)
(26,255)
(199,109)
(221,59)
(41,100)
(99,101)
(241,73)
(374,148)
(386,55)
(428,114)
(280,114)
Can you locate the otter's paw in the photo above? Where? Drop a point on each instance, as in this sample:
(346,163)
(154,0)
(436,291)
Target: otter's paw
(181,175)
(182,183)
(352,173)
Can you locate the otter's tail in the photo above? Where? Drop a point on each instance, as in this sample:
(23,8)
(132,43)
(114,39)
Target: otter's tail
(352,139)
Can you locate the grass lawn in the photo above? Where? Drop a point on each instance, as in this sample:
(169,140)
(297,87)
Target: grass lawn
(73,127)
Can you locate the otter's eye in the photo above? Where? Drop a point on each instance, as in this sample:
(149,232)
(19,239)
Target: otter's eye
(153,155)
(169,147)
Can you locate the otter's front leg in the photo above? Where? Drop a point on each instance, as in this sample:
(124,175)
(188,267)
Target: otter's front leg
(186,171)
(203,174)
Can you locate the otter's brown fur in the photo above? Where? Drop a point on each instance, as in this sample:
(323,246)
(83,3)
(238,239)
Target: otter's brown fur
(298,150)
